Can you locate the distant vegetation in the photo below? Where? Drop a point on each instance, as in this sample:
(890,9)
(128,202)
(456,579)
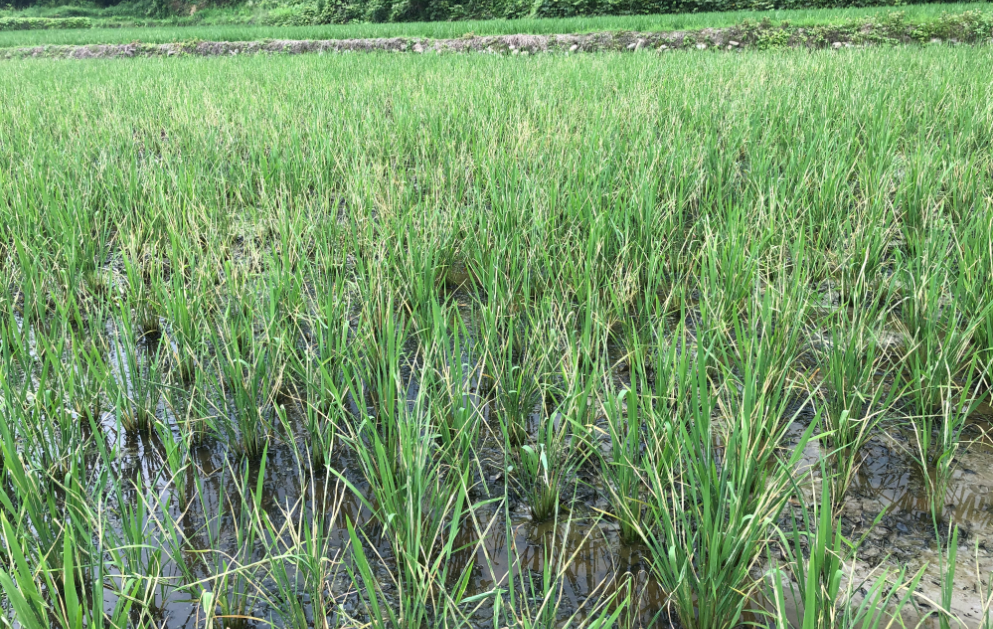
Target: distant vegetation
(121,24)
(42,23)
(310,12)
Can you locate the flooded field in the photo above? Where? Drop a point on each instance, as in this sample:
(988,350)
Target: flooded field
(689,341)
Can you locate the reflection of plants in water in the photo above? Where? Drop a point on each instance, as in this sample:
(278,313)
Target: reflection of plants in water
(534,598)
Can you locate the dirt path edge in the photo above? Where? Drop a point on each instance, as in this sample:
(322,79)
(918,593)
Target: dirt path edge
(728,39)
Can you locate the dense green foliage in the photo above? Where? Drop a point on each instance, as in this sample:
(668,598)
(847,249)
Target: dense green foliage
(42,23)
(314,12)
(479,292)
(931,20)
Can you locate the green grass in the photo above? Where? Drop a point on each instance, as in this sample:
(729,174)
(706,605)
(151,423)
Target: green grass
(354,326)
(448,30)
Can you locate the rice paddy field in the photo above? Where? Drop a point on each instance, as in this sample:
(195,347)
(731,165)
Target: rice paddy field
(389,341)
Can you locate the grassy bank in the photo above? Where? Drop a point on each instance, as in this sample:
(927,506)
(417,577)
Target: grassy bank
(368,339)
(217,26)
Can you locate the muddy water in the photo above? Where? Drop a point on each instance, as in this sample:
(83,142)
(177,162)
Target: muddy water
(889,483)
(582,546)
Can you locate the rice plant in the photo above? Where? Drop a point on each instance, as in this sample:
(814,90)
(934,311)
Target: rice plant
(857,392)
(542,468)
(137,379)
(696,493)
(622,470)
(419,508)
(246,377)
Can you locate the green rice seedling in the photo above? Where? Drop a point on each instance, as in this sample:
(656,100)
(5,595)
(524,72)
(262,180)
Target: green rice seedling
(183,558)
(140,296)
(55,532)
(816,554)
(245,385)
(376,357)
(856,391)
(874,602)
(135,387)
(710,510)
(195,409)
(32,289)
(861,276)
(767,341)
(15,335)
(419,265)
(937,439)
(182,307)
(817,596)
(381,612)
(420,508)
(578,406)
(279,318)
(622,471)
(28,497)
(756,396)
(233,576)
(312,561)
(589,332)
(543,467)
(985,593)
(519,394)
(84,379)
(135,552)
(974,286)
(458,419)
(331,332)
(729,266)
(515,365)
(287,270)
(945,616)
(937,342)
(935,339)
(30,586)
(176,457)
(323,422)
(53,434)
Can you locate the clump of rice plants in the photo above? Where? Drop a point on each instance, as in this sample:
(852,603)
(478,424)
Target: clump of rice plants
(857,391)
(543,467)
